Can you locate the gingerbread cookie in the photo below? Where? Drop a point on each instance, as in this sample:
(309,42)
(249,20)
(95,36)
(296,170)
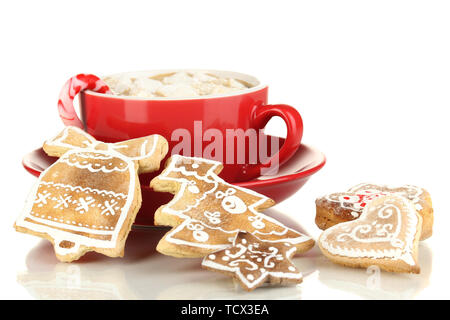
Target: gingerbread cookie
(88,199)
(207,212)
(386,234)
(253,262)
(346,206)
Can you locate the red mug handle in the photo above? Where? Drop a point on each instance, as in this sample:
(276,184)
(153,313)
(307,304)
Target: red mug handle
(71,88)
(294,134)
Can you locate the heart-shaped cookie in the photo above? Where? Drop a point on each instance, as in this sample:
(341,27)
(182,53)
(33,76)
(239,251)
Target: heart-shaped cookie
(340,207)
(386,235)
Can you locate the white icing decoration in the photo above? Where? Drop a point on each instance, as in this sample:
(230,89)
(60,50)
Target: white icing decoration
(413,193)
(83,204)
(61,230)
(234,205)
(65,158)
(42,198)
(257,222)
(213,217)
(382,232)
(42,219)
(198,232)
(108,207)
(144,153)
(84,189)
(211,178)
(95,156)
(401,249)
(63,202)
(90,144)
(231,203)
(143,148)
(193,189)
(51,226)
(353,202)
(237,261)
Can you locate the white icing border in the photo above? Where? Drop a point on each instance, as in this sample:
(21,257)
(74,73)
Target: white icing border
(365,187)
(58,141)
(211,177)
(92,143)
(61,235)
(74,188)
(405,254)
(65,159)
(214,265)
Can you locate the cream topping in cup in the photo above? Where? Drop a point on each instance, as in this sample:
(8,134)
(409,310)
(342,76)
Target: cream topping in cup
(176,84)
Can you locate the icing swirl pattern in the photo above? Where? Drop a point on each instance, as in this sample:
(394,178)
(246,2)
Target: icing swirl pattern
(253,262)
(340,207)
(220,208)
(388,228)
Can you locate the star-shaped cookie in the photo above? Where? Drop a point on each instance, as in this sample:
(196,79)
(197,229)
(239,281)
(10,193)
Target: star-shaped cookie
(386,235)
(340,207)
(253,262)
(206,212)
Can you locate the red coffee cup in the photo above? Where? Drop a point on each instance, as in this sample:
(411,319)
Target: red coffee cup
(193,126)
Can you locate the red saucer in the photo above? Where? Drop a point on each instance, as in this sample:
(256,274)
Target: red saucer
(289,179)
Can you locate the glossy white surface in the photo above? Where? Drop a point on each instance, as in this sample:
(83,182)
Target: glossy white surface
(145,274)
(369,78)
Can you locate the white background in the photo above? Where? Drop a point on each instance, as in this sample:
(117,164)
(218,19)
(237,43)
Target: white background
(371,80)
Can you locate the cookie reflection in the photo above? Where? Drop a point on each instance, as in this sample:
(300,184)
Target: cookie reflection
(372,283)
(223,288)
(94,276)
